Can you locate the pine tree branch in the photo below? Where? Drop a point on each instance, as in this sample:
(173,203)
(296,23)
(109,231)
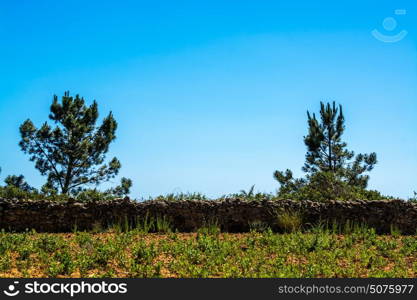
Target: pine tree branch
(50,161)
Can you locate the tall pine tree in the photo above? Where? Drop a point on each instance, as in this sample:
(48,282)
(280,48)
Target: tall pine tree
(329,164)
(326,152)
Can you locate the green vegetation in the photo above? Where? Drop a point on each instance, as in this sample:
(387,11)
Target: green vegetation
(290,221)
(180,197)
(72,153)
(14,192)
(332,171)
(72,157)
(354,251)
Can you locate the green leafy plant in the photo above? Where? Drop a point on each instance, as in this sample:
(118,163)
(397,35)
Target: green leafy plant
(210,227)
(348,250)
(258,226)
(181,197)
(290,220)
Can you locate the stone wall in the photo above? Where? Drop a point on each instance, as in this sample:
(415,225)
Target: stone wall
(233,215)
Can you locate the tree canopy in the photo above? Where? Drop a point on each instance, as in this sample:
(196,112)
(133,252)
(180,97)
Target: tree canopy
(18,182)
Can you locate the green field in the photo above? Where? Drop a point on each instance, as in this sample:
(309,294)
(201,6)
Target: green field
(208,253)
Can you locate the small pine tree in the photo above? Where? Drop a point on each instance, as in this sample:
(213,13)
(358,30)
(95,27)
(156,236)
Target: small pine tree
(18,182)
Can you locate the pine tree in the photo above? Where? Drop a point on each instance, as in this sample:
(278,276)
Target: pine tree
(332,171)
(121,190)
(326,152)
(18,182)
(72,153)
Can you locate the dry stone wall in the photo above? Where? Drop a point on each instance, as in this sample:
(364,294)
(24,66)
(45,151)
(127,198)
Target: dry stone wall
(233,215)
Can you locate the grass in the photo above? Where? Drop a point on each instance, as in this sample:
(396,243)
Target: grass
(290,221)
(320,252)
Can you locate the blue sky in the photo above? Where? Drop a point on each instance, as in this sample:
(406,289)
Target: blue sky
(212,96)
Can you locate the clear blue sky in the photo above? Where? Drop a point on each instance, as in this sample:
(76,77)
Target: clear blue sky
(211,96)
